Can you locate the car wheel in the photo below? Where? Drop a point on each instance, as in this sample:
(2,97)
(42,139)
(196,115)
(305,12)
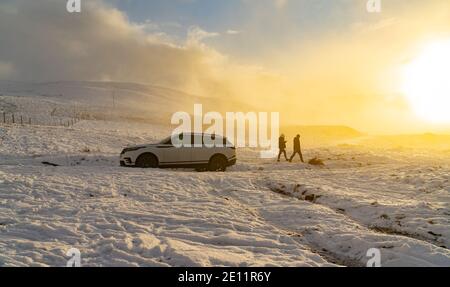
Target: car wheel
(218,163)
(147,161)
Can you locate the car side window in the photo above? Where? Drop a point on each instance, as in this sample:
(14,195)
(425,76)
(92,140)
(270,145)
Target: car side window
(180,140)
(214,141)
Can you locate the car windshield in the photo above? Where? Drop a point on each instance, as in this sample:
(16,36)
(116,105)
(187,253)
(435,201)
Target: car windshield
(168,140)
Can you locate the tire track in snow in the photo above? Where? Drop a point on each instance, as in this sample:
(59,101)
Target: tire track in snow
(316,196)
(298,236)
(326,231)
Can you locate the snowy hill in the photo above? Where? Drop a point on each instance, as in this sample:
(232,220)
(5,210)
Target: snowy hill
(104,100)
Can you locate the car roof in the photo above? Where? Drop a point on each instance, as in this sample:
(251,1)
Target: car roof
(202,134)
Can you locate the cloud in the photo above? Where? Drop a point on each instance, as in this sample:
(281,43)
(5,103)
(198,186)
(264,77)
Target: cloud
(44,43)
(101,43)
(233,32)
(196,35)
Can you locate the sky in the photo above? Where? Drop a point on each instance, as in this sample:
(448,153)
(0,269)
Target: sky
(317,62)
(246,28)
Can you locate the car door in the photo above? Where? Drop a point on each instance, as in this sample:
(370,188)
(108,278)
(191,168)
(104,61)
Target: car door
(201,154)
(175,155)
(197,148)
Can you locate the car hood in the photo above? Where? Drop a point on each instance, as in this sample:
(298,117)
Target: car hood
(140,146)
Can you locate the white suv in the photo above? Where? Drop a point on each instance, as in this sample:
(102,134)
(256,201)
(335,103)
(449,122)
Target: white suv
(165,154)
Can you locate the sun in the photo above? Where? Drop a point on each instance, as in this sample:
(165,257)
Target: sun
(426,83)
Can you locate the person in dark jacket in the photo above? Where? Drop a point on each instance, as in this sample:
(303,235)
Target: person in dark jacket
(297,148)
(282,146)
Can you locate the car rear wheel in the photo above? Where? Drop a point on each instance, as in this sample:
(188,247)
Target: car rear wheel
(147,161)
(218,163)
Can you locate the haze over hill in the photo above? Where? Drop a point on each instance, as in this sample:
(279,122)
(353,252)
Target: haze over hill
(412,141)
(118,101)
(314,135)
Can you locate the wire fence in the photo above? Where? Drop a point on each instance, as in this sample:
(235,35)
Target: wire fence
(20,119)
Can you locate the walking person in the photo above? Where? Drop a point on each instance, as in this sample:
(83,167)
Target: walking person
(297,148)
(282,146)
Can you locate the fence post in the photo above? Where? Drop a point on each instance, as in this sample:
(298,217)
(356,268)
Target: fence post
(13,120)
(4,117)
(21,120)
(29,121)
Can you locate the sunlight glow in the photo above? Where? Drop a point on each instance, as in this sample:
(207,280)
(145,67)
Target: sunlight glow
(426,83)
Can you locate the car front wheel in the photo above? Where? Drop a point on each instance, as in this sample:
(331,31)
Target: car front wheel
(147,161)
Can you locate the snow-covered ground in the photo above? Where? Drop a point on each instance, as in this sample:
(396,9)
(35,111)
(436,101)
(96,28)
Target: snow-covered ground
(258,213)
